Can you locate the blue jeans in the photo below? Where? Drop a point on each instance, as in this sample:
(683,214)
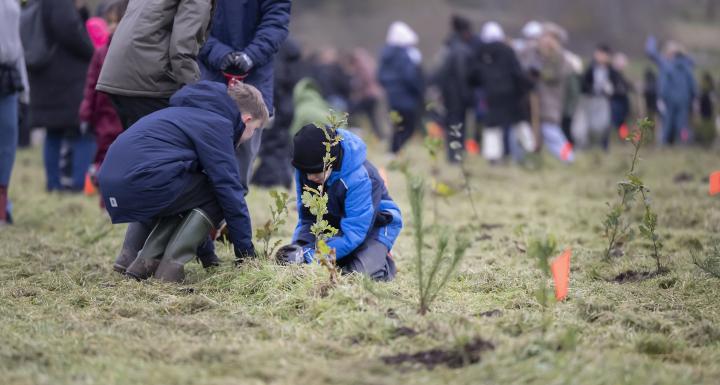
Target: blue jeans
(8,136)
(83,152)
(674,120)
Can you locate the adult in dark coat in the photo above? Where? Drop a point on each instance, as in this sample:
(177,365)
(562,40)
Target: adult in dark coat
(274,168)
(244,37)
(453,79)
(401,76)
(181,159)
(57,90)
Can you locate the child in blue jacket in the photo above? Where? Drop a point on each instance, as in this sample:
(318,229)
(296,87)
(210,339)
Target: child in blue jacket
(359,205)
(175,170)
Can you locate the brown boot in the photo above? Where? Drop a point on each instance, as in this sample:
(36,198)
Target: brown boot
(181,249)
(148,258)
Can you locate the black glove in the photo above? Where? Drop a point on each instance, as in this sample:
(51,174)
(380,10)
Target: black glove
(290,255)
(238,63)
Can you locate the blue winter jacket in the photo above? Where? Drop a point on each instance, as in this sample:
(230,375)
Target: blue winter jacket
(149,165)
(256,27)
(676,81)
(401,78)
(358,203)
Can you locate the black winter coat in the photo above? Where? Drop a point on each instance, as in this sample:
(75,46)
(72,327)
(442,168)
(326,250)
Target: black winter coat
(497,70)
(453,77)
(57,90)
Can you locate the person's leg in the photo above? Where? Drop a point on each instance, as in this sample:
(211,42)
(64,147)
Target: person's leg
(8,146)
(668,123)
(406,129)
(131,109)
(556,143)
(492,144)
(83,152)
(51,157)
(245,155)
(371,259)
(135,237)
(682,124)
(455,138)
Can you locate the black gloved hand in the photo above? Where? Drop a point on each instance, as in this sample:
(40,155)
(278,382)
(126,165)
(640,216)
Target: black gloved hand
(238,63)
(290,255)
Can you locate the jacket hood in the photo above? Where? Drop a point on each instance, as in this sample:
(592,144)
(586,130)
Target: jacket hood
(492,32)
(353,156)
(210,96)
(402,35)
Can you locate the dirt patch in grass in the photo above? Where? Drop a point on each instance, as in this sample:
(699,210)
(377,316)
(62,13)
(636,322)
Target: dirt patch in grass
(630,276)
(491,313)
(404,331)
(683,177)
(467,354)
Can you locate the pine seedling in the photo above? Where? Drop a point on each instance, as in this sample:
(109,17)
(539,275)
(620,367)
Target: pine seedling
(433,147)
(316,199)
(710,262)
(278,217)
(617,228)
(542,250)
(432,275)
(456,145)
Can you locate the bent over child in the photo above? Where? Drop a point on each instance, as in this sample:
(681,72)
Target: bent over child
(176,171)
(359,205)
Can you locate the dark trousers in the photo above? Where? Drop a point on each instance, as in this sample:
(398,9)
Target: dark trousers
(404,129)
(455,118)
(368,107)
(371,259)
(274,168)
(198,194)
(130,109)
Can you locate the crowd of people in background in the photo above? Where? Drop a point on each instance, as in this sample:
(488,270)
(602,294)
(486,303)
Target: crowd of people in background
(520,94)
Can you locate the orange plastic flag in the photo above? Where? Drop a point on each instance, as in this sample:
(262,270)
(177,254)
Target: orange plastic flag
(472,146)
(715,183)
(89,188)
(624,132)
(561,274)
(566,151)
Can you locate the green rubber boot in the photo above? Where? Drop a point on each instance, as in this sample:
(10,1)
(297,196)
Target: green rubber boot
(183,245)
(149,257)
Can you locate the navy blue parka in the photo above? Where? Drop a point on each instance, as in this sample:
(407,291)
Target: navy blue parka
(149,165)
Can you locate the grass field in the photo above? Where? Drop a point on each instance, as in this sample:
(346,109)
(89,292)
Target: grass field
(66,318)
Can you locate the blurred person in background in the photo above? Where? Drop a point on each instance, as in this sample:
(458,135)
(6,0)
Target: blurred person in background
(572,94)
(274,168)
(97,113)
(551,75)
(650,96)
(592,123)
(495,68)
(677,89)
(365,90)
(400,74)
(332,79)
(706,129)
(14,89)
(453,80)
(56,87)
(620,100)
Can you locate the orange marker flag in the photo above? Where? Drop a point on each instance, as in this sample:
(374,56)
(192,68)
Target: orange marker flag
(472,146)
(89,188)
(561,274)
(715,183)
(623,131)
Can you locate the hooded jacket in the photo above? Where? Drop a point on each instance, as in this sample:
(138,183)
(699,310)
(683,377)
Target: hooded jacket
(256,27)
(359,205)
(399,71)
(154,49)
(151,163)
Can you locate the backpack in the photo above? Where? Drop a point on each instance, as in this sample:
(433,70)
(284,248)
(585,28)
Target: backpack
(38,48)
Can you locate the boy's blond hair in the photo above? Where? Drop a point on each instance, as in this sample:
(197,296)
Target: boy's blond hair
(249,101)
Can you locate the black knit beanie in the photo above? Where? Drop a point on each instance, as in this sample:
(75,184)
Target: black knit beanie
(309,150)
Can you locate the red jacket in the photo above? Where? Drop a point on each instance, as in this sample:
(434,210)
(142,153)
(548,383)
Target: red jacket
(97,110)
